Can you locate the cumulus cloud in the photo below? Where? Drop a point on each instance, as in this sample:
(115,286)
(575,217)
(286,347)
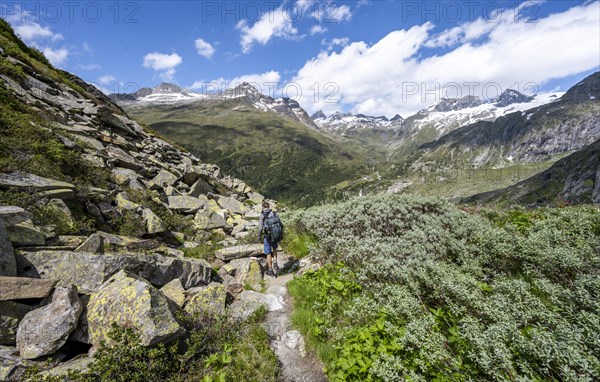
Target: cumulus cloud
(266,82)
(276,23)
(509,53)
(343,41)
(31,31)
(163,64)
(56,56)
(329,12)
(204,48)
(317,29)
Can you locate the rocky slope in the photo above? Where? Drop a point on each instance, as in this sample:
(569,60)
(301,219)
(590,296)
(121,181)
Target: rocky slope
(97,214)
(574,179)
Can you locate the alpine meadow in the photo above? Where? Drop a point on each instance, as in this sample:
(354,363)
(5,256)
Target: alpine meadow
(300,191)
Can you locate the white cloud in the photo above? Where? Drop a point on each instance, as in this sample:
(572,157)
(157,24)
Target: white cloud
(372,79)
(106,79)
(317,29)
(89,67)
(204,48)
(343,41)
(277,23)
(56,56)
(266,82)
(329,12)
(163,64)
(159,61)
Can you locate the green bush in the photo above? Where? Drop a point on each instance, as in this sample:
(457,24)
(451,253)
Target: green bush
(451,295)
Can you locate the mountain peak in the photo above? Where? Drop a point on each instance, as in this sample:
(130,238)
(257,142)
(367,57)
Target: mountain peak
(451,104)
(318,115)
(510,96)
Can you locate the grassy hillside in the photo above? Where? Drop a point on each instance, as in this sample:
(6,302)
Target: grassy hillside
(280,157)
(572,180)
(419,289)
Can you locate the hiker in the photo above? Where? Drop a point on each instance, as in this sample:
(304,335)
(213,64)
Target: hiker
(270,232)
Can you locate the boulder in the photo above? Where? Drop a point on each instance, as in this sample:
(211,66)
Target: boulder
(93,244)
(115,121)
(123,202)
(255,197)
(206,300)
(207,219)
(11,313)
(239,251)
(132,303)
(8,263)
(186,204)
(164,178)
(18,288)
(20,179)
(122,158)
(89,271)
(123,176)
(200,187)
(61,212)
(45,330)
(11,215)
(26,233)
(250,273)
(154,225)
(232,205)
(174,291)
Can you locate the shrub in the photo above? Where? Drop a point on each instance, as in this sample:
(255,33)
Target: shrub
(451,295)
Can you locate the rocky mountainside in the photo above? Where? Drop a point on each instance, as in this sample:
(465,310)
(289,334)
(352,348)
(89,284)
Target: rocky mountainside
(245,93)
(574,179)
(538,134)
(354,125)
(102,221)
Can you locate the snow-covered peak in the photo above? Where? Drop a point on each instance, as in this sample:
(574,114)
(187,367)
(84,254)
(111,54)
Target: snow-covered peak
(341,123)
(165,93)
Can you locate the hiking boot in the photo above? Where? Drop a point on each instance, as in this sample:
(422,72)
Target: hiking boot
(270,272)
(275,266)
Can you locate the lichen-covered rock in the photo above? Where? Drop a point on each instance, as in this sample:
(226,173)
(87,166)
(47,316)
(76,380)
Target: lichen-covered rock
(207,219)
(11,215)
(207,300)
(62,212)
(255,197)
(174,291)
(133,303)
(89,271)
(123,176)
(11,313)
(44,330)
(242,310)
(123,202)
(154,225)
(20,179)
(164,178)
(232,205)
(186,204)
(25,233)
(8,262)
(250,274)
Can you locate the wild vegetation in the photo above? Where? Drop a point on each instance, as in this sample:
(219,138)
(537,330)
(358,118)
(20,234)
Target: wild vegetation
(418,289)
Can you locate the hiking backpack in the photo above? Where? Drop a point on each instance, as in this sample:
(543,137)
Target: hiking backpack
(273,228)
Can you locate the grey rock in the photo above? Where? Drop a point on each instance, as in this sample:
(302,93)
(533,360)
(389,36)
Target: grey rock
(270,301)
(242,310)
(62,211)
(294,340)
(165,178)
(8,263)
(89,142)
(19,288)
(93,244)
(25,180)
(210,299)
(11,215)
(207,219)
(201,187)
(44,330)
(115,121)
(123,176)
(255,197)
(62,194)
(88,271)
(239,251)
(123,158)
(175,292)
(11,313)
(81,331)
(186,204)
(26,233)
(79,364)
(232,205)
(134,303)
(154,225)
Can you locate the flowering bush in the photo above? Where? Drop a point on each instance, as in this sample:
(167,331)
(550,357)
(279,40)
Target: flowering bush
(451,295)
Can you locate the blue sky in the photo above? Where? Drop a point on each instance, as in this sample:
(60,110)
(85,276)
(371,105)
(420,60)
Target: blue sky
(374,57)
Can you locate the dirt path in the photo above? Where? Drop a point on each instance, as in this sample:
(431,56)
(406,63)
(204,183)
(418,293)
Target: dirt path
(297,364)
